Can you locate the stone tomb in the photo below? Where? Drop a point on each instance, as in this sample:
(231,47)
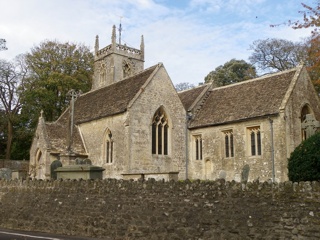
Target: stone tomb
(81,170)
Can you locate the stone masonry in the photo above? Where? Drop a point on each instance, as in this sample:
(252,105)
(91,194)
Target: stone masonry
(118,209)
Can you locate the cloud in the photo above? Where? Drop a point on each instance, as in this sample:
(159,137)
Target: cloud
(191,39)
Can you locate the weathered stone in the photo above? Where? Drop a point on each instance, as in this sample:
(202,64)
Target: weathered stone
(5,173)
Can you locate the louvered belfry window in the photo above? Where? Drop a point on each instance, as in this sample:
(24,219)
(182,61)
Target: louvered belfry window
(160,133)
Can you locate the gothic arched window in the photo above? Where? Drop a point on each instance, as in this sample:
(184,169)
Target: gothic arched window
(160,134)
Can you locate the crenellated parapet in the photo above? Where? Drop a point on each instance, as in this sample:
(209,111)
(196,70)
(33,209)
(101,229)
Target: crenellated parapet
(120,49)
(116,61)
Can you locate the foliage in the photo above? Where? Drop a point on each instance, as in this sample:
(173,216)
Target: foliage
(183,86)
(276,54)
(304,162)
(12,77)
(231,72)
(312,60)
(311,18)
(55,68)
(3,134)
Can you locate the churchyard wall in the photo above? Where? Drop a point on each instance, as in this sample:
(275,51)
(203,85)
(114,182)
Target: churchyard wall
(118,209)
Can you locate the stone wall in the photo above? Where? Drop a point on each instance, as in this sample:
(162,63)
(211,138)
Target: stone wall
(214,161)
(118,209)
(15,165)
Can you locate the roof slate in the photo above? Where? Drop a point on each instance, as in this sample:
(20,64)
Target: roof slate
(58,135)
(110,100)
(188,97)
(96,104)
(248,99)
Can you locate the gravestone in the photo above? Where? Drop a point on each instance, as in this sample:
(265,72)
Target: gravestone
(5,173)
(310,125)
(54,165)
(222,174)
(81,161)
(245,173)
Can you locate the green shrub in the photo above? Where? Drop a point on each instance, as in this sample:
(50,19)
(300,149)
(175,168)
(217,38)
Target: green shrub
(304,162)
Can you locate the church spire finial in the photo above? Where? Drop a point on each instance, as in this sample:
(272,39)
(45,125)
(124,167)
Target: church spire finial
(113,38)
(142,47)
(96,46)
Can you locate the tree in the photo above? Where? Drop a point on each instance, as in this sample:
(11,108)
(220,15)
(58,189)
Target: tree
(55,68)
(12,77)
(312,60)
(183,86)
(276,54)
(304,161)
(311,18)
(231,72)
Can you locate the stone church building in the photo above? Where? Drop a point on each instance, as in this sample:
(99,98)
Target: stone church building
(134,124)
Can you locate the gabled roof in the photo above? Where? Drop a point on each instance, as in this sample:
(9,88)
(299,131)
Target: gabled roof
(58,136)
(110,100)
(190,96)
(103,102)
(249,99)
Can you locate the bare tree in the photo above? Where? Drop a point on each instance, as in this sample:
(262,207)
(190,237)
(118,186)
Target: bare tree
(276,54)
(183,86)
(12,76)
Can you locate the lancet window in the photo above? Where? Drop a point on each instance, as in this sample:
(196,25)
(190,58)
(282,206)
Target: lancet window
(228,143)
(108,147)
(255,141)
(198,147)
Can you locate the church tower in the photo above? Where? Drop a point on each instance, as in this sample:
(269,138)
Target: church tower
(116,62)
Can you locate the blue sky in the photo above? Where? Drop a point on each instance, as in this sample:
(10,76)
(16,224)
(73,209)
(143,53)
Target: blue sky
(190,37)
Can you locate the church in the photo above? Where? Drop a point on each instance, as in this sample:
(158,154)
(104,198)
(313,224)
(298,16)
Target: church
(134,124)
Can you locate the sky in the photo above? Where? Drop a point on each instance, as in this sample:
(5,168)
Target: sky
(190,37)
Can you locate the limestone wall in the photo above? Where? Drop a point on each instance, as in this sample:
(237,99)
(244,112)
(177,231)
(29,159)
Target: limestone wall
(159,92)
(117,209)
(94,136)
(303,94)
(215,164)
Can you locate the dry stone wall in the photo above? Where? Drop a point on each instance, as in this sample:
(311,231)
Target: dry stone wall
(118,209)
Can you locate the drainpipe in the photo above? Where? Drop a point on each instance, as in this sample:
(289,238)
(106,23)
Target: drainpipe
(272,149)
(188,118)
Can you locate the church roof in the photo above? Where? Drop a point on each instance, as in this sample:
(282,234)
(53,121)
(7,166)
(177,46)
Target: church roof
(188,97)
(58,135)
(110,100)
(103,102)
(249,99)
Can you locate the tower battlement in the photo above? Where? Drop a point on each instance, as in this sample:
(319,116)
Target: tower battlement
(116,61)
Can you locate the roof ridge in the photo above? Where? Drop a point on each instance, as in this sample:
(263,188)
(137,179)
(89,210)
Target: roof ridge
(121,81)
(258,78)
(189,89)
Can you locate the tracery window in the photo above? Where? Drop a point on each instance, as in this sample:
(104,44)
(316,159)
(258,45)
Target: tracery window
(198,147)
(228,143)
(108,147)
(255,141)
(160,130)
